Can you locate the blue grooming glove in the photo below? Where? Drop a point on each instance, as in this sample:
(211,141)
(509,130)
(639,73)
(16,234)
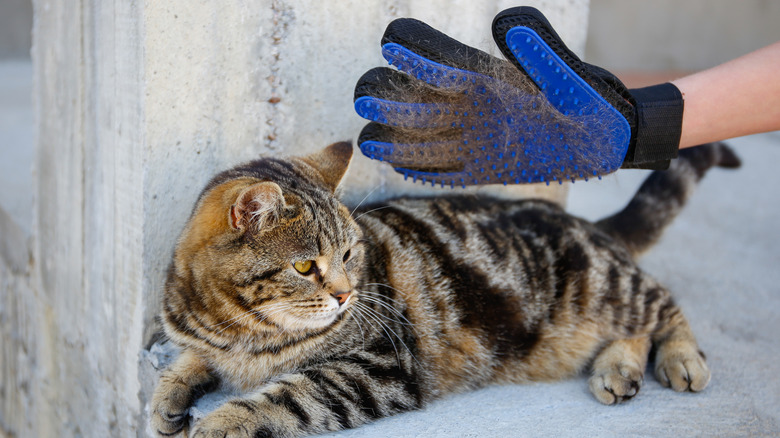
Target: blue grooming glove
(453,115)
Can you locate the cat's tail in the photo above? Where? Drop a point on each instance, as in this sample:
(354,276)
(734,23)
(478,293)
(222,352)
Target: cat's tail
(663,194)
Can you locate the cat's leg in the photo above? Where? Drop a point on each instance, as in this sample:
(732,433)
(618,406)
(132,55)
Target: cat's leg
(679,363)
(177,389)
(618,370)
(331,396)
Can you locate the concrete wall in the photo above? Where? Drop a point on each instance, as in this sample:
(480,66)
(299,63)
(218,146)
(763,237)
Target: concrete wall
(88,219)
(228,81)
(136,105)
(691,35)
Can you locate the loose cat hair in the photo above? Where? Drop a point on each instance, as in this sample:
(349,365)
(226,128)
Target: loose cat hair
(327,318)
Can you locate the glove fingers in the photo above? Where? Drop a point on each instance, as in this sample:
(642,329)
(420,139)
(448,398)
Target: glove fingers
(384,143)
(431,56)
(526,38)
(435,46)
(404,115)
(514,26)
(386,83)
(393,98)
(433,73)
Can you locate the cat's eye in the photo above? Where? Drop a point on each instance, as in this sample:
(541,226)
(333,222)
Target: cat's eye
(303,267)
(346,255)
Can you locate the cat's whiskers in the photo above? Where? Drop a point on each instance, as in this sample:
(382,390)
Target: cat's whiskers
(352,213)
(373,314)
(391,309)
(363,308)
(372,210)
(273,309)
(400,292)
(243,316)
(260,315)
(360,326)
(380,295)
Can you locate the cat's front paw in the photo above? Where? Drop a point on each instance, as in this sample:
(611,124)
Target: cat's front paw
(682,369)
(617,383)
(170,404)
(235,419)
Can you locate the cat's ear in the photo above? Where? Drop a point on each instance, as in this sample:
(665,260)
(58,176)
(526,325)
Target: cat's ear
(332,163)
(257,207)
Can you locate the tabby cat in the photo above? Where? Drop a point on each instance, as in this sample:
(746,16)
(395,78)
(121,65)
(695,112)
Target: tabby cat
(329,318)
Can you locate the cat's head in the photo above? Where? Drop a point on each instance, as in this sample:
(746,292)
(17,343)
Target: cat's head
(268,249)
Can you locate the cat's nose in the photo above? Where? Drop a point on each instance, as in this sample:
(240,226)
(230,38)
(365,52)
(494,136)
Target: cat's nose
(342,296)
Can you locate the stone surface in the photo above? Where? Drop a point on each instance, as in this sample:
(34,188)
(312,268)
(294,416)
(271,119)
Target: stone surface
(88,218)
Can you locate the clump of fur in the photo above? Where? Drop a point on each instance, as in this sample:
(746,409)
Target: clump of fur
(499,109)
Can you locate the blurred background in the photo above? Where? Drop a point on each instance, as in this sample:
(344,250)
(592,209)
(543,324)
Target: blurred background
(16,116)
(649,42)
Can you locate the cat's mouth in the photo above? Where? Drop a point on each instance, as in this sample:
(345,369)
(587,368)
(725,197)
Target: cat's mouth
(311,320)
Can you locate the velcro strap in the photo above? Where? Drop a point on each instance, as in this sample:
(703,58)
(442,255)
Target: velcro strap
(659,111)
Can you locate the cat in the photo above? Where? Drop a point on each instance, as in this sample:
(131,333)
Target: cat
(328,318)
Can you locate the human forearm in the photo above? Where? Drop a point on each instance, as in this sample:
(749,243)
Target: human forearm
(737,98)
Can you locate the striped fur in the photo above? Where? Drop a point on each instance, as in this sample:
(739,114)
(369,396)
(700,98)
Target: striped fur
(408,300)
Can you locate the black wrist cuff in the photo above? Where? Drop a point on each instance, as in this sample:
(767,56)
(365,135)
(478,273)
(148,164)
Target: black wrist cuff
(659,113)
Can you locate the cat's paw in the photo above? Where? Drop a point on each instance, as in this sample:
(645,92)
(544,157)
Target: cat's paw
(682,369)
(170,404)
(235,419)
(616,383)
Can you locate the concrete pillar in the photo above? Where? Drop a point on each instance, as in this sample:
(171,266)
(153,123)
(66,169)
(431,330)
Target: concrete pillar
(89,216)
(137,104)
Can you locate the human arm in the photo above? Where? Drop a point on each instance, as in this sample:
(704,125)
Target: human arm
(453,115)
(519,143)
(737,98)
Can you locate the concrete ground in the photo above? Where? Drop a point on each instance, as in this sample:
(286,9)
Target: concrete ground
(720,258)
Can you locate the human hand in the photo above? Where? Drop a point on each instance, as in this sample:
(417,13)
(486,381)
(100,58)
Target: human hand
(454,115)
